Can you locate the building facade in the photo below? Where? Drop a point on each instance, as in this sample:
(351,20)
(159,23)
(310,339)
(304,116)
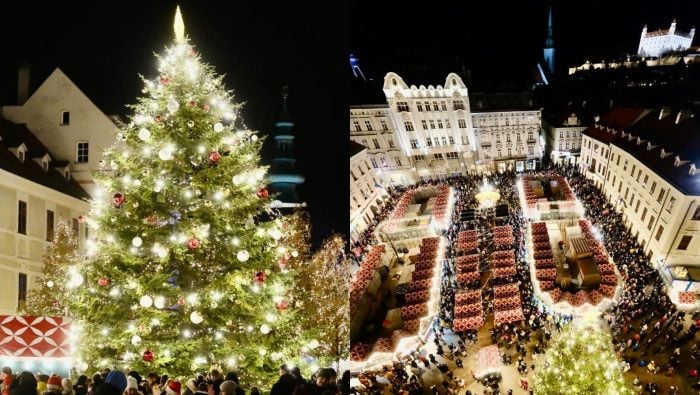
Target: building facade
(36,192)
(434,126)
(563,132)
(657,42)
(650,176)
(68,123)
(367,194)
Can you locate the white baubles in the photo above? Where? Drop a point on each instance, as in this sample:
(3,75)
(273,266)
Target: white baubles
(49,284)
(295,253)
(144,134)
(264,329)
(146,301)
(238,179)
(136,340)
(218,127)
(275,233)
(159,302)
(173,105)
(136,241)
(314,344)
(243,255)
(196,318)
(165,153)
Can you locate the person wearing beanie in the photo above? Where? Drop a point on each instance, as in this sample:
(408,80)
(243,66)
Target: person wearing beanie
(67,386)
(173,388)
(132,386)
(26,384)
(53,385)
(228,387)
(114,384)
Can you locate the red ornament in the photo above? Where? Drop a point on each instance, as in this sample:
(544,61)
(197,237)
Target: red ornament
(636,336)
(386,323)
(164,80)
(104,281)
(148,356)
(181,301)
(118,199)
(214,158)
(192,103)
(282,305)
(263,193)
(260,277)
(205,107)
(159,119)
(81,219)
(193,243)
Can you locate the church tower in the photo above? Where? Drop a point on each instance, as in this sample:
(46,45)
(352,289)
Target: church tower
(283,177)
(548,50)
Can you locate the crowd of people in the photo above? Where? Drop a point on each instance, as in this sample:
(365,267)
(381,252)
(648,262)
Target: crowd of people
(116,382)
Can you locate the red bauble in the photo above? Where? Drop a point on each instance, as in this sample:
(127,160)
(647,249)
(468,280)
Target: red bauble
(192,103)
(386,323)
(104,281)
(159,119)
(205,107)
(181,301)
(263,193)
(636,336)
(118,199)
(214,158)
(260,277)
(282,305)
(193,243)
(81,219)
(164,80)
(148,356)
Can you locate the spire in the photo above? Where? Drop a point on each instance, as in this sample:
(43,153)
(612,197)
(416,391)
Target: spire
(179,26)
(549,42)
(284,112)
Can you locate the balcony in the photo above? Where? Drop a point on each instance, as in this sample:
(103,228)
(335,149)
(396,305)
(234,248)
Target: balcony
(531,141)
(485,143)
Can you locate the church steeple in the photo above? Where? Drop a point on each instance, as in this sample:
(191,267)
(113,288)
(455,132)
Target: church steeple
(548,50)
(283,177)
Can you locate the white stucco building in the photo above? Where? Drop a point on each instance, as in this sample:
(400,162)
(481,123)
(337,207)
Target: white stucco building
(650,174)
(36,191)
(656,43)
(68,123)
(367,194)
(562,131)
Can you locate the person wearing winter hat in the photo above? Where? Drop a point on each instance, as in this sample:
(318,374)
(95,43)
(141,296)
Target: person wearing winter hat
(132,386)
(228,387)
(114,384)
(53,385)
(67,387)
(173,388)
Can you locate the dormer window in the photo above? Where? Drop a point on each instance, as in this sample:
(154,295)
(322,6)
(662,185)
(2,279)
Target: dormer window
(45,165)
(66,174)
(677,161)
(65,118)
(20,155)
(649,146)
(693,169)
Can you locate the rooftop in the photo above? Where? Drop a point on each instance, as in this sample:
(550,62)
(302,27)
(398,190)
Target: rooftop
(355,148)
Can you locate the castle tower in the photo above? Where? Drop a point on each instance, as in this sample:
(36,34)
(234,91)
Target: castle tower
(283,178)
(548,50)
(641,40)
(672,29)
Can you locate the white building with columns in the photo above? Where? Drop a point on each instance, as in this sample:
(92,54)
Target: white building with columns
(367,194)
(651,177)
(36,191)
(563,131)
(656,43)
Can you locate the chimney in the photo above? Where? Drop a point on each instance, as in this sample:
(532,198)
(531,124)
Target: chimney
(23,83)
(683,115)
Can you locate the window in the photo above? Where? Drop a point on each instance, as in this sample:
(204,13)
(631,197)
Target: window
(661,195)
(639,174)
(517,137)
(633,168)
(419,158)
(402,106)
(619,187)
(65,117)
(465,140)
(452,140)
(397,160)
(414,143)
(427,106)
(452,155)
(612,156)
(376,143)
(462,123)
(508,138)
(22,291)
(685,242)
(420,106)
(618,160)
(391,143)
(498,153)
(439,123)
(356,123)
(374,162)
(561,134)
(408,125)
(696,215)
(529,136)
(567,146)
(76,227)
(457,105)
(644,213)
(627,191)
(659,232)
(429,142)
(20,154)
(424,123)
(671,203)
(365,143)
(614,178)
(509,153)
(444,140)
(82,152)
(624,168)
(49,225)
(443,105)
(653,187)
(438,156)
(636,209)
(368,125)
(384,164)
(632,200)
(646,178)
(530,151)
(651,222)
(432,124)
(447,124)
(383,123)
(435,106)
(22,217)
(436,141)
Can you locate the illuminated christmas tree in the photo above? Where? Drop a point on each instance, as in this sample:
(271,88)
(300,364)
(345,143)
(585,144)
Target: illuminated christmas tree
(581,361)
(322,295)
(49,298)
(185,264)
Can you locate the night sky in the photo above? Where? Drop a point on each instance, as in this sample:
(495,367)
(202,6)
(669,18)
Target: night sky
(259,45)
(500,41)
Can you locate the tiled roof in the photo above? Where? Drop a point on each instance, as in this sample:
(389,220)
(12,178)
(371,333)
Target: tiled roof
(13,135)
